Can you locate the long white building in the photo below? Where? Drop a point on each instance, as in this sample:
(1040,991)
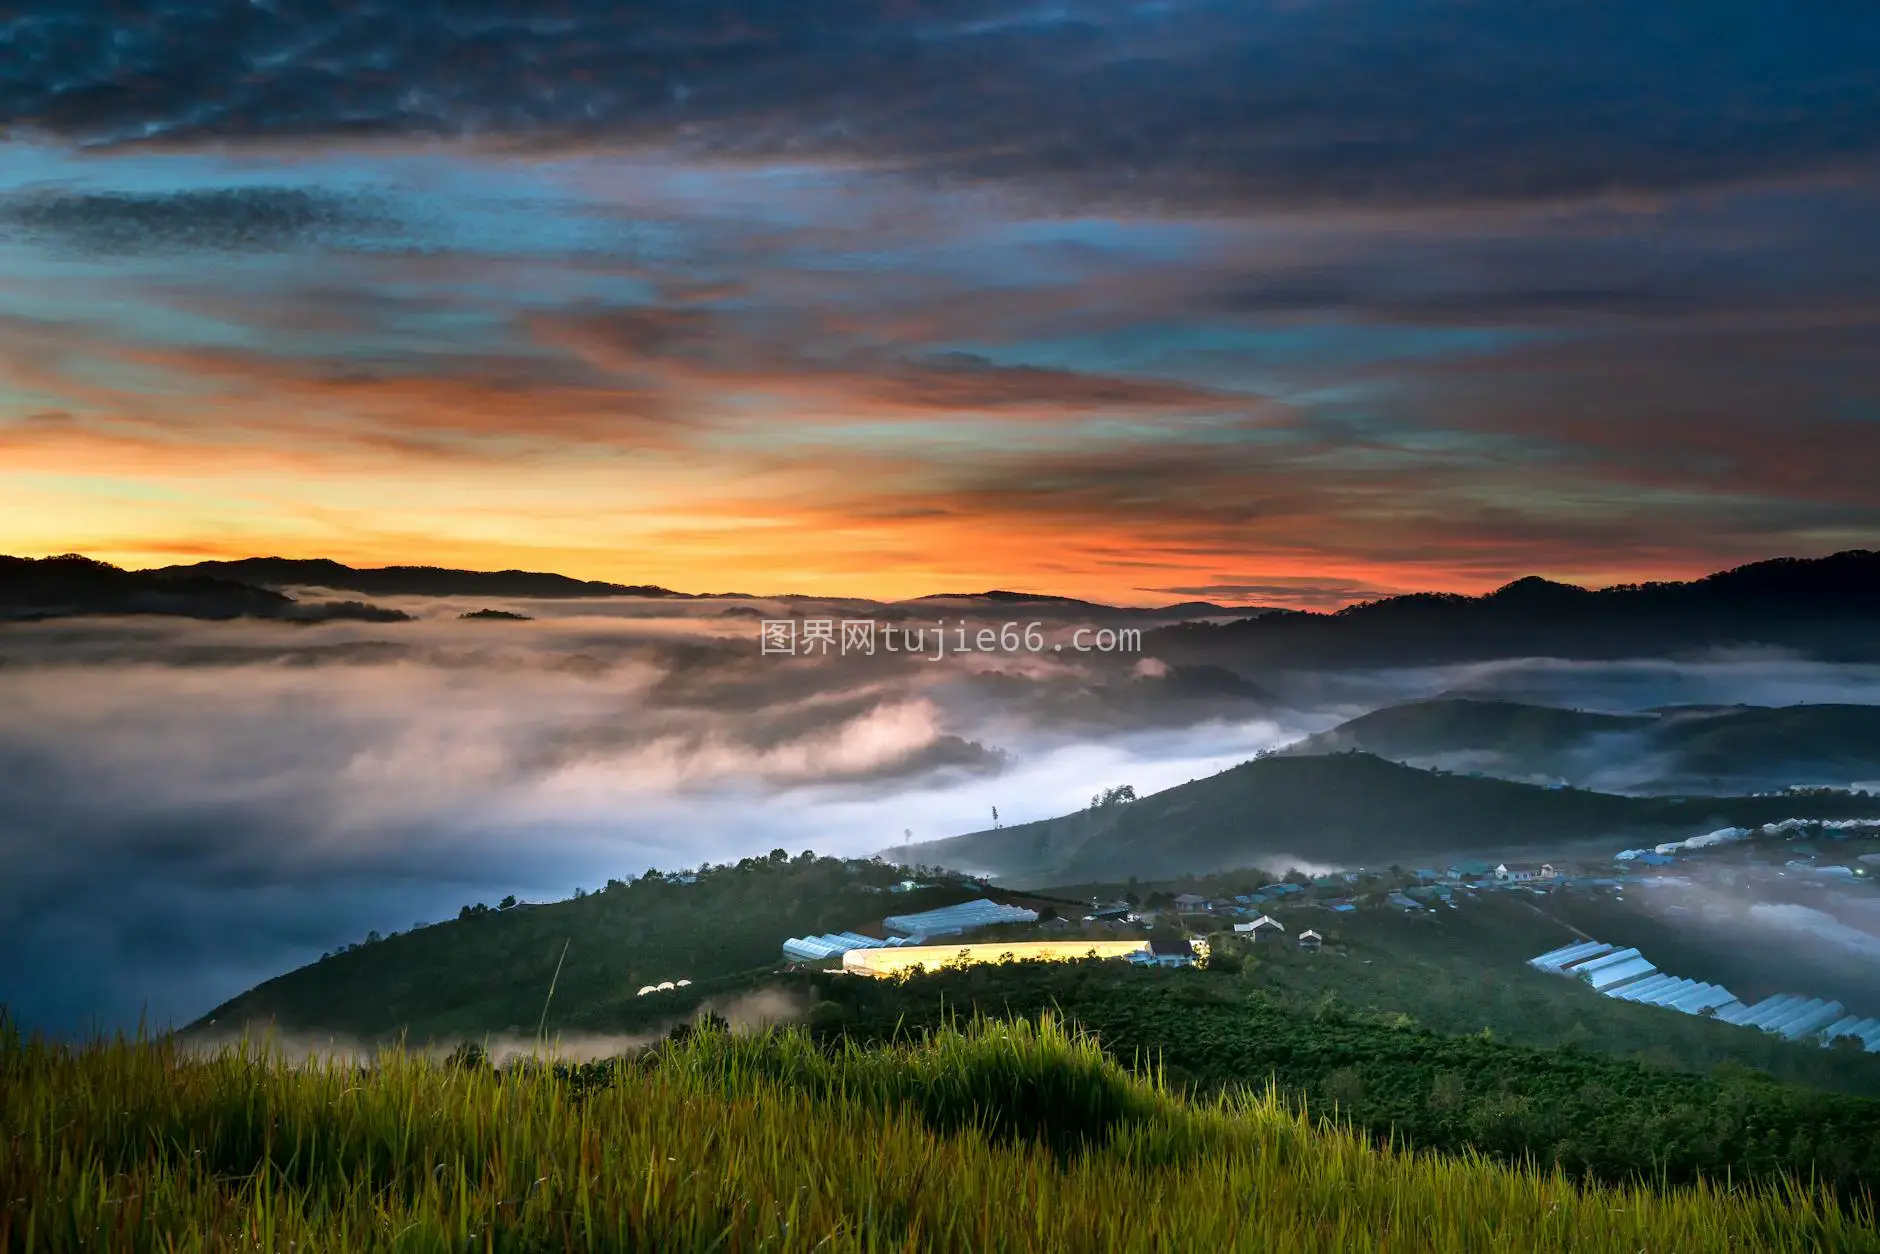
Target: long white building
(1627,975)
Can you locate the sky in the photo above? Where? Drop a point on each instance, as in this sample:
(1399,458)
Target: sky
(1272,301)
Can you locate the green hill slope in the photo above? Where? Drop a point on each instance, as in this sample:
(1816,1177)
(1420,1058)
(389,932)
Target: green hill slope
(490,970)
(1598,1117)
(1677,749)
(1347,808)
(1012,1139)
(1808,744)
(1509,737)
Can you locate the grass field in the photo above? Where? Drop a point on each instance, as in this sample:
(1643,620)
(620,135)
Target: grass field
(1008,1136)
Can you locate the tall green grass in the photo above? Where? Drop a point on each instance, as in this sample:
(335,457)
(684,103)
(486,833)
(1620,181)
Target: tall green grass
(1002,1136)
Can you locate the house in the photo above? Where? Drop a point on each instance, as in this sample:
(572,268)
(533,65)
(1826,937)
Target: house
(1165,951)
(1403,903)
(1471,870)
(1262,926)
(1427,874)
(1342,907)
(1547,871)
(1310,942)
(1514,874)
(1190,901)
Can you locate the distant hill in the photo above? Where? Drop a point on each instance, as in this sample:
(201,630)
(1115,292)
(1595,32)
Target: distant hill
(435,581)
(1342,809)
(504,616)
(1828,606)
(69,586)
(1055,608)
(428,581)
(1675,749)
(1536,737)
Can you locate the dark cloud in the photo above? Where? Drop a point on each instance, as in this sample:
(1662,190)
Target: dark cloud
(1776,258)
(1187,102)
(236,219)
(791,348)
(966,381)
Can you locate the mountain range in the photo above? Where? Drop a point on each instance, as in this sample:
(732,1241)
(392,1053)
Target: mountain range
(1827,606)
(70,585)
(256,587)
(420,581)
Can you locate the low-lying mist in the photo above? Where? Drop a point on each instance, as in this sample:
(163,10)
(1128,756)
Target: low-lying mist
(755,1011)
(189,808)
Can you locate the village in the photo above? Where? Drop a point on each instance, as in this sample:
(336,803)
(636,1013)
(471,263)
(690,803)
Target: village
(1831,866)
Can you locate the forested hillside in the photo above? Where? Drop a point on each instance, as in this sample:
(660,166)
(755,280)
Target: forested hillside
(489,970)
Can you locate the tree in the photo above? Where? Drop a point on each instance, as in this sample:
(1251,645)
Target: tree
(779,856)
(373,937)
(468,1056)
(1226,956)
(510,900)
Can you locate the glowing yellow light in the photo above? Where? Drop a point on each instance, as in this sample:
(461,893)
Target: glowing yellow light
(879,962)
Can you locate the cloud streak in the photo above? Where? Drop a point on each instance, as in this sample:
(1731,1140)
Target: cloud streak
(1187,102)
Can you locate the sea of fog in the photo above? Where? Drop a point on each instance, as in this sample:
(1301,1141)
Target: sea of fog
(188,808)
